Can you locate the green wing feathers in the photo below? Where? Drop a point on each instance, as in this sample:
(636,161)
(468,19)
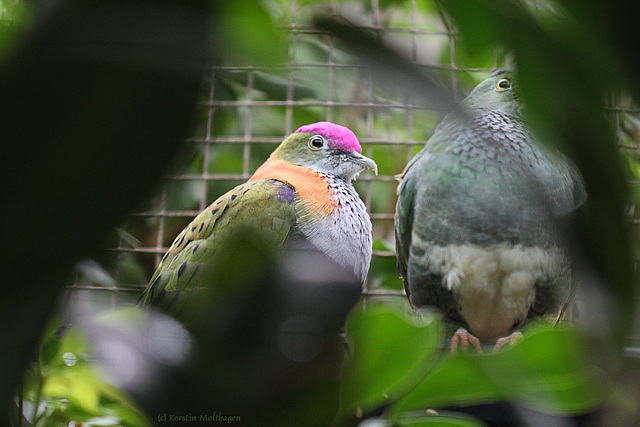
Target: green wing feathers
(262,208)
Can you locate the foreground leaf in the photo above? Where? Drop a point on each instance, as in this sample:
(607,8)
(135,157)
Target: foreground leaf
(419,419)
(548,371)
(390,352)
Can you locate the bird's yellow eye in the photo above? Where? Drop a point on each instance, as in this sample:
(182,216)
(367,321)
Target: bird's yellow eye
(503,84)
(316,142)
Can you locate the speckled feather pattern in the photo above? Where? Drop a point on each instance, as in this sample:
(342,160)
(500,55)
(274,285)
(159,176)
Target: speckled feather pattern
(345,233)
(270,203)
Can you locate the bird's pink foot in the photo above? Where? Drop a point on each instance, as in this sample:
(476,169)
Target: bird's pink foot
(508,340)
(463,338)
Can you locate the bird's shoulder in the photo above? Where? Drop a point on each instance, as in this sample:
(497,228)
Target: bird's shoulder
(255,204)
(263,208)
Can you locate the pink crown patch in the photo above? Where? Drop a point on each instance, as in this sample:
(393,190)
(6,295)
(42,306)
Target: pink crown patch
(338,137)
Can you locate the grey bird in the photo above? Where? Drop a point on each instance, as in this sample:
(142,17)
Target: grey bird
(478,219)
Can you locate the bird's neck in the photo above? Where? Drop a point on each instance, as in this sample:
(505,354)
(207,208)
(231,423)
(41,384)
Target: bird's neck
(311,186)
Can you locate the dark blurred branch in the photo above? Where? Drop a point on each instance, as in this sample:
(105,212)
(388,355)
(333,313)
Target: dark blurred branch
(94,104)
(390,68)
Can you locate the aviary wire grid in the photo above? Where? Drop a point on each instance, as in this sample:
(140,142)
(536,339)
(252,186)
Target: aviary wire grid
(246,111)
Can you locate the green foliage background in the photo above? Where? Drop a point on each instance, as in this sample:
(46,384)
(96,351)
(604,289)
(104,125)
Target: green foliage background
(394,360)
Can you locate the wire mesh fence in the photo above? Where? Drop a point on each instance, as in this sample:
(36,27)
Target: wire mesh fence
(245,111)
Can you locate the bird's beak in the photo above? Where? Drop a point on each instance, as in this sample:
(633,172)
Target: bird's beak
(363,161)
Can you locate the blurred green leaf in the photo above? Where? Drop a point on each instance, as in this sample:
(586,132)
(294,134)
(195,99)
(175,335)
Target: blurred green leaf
(78,385)
(275,87)
(548,370)
(419,419)
(49,350)
(247,33)
(129,270)
(127,238)
(66,386)
(15,18)
(383,4)
(389,353)
(444,420)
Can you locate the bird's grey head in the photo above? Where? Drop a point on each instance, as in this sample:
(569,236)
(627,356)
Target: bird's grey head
(498,92)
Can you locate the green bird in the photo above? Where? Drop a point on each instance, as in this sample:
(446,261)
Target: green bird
(301,196)
(478,219)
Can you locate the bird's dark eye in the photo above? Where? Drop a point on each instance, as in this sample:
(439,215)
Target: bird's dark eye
(503,84)
(316,142)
